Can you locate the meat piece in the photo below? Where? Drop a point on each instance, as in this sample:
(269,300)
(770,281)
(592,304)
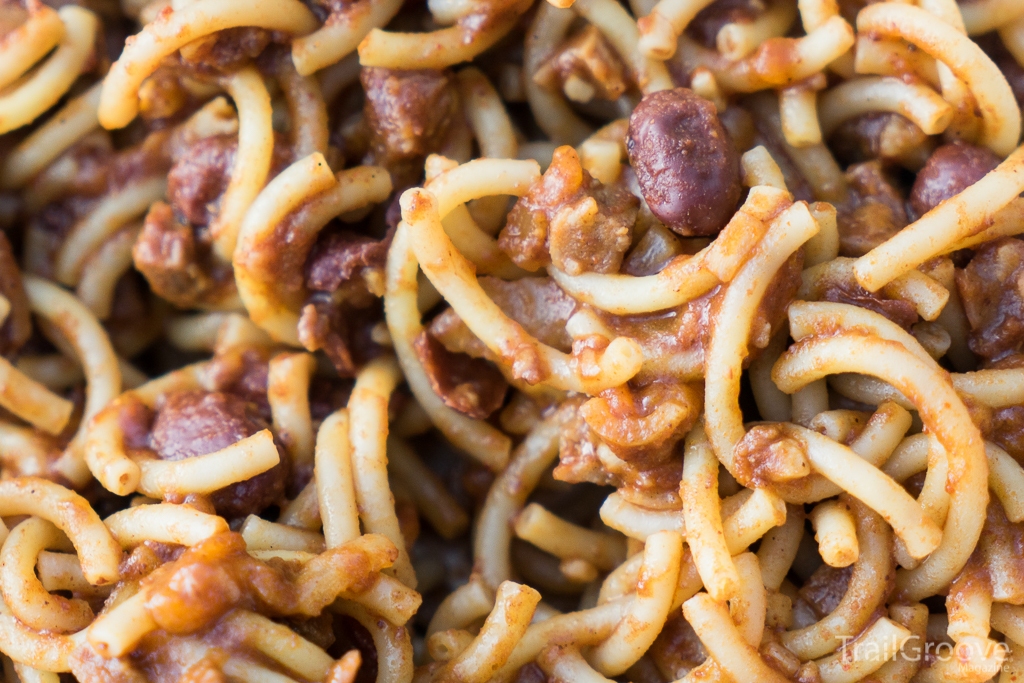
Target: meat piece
(649,477)
(950,170)
(194,423)
(244,374)
(199,177)
(992,291)
(825,588)
(409,114)
(536,303)
(471,386)
(677,649)
(629,421)
(885,136)
(202,171)
(1001,552)
(17,328)
(341,331)
(686,164)
(570,219)
(226,50)
(873,212)
(165,253)
(899,311)
(1007,431)
(710,20)
(586,66)
(336,257)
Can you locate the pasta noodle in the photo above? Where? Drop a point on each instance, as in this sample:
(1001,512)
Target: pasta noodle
(519,341)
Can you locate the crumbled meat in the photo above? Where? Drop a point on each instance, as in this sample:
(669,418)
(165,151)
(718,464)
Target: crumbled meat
(193,423)
(686,163)
(17,328)
(1007,430)
(471,386)
(899,311)
(873,212)
(188,597)
(166,254)
(1001,551)
(825,589)
(767,455)
(538,304)
(992,291)
(162,97)
(343,332)
(570,219)
(336,257)
(226,50)
(710,20)
(644,474)
(885,136)
(586,66)
(409,114)
(199,177)
(202,171)
(677,649)
(630,423)
(950,170)
(244,373)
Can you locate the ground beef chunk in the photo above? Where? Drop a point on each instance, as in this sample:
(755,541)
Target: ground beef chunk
(199,177)
(685,162)
(17,328)
(992,290)
(899,311)
(650,479)
(1002,554)
(677,649)
(202,171)
(885,136)
(710,20)
(825,589)
(341,310)
(166,254)
(950,170)
(570,219)
(193,423)
(1007,431)
(873,212)
(336,257)
(538,304)
(471,386)
(409,114)
(585,67)
(226,50)
(343,332)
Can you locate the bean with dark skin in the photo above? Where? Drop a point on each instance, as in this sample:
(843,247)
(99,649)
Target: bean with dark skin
(685,162)
(193,423)
(950,170)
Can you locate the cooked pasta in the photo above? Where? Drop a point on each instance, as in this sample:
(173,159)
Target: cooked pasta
(517,341)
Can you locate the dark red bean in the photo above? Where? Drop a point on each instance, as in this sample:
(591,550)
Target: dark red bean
(950,170)
(685,162)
